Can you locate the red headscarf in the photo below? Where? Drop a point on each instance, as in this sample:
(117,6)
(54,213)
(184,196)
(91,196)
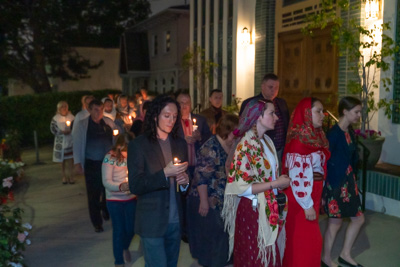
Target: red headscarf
(302,137)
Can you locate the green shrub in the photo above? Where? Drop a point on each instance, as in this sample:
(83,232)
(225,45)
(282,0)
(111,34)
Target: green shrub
(34,112)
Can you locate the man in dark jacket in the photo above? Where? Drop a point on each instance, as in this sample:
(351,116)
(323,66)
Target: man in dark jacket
(270,90)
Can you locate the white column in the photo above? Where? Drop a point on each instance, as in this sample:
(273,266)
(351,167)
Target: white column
(191,79)
(234,48)
(199,40)
(207,50)
(225,46)
(215,49)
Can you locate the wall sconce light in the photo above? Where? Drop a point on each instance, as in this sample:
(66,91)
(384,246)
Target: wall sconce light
(246,36)
(372,9)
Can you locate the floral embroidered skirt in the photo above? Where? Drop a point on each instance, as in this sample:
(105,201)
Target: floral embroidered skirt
(245,251)
(343,201)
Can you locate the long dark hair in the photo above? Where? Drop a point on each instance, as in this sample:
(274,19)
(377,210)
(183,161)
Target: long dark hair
(155,108)
(347,103)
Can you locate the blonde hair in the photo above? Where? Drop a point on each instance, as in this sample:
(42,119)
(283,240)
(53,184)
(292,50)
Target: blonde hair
(60,104)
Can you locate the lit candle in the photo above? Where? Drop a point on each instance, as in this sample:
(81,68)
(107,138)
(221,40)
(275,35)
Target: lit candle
(194,125)
(130,117)
(176,162)
(115,132)
(68,123)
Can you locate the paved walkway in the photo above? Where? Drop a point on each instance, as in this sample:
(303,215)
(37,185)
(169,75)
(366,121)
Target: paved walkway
(62,234)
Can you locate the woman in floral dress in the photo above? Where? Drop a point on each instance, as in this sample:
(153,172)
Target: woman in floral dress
(342,199)
(207,239)
(251,211)
(305,158)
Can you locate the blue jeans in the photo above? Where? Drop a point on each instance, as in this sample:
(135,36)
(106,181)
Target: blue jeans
(162,251)
(122,215)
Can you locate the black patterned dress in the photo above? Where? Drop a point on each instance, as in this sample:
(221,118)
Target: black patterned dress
(343,200)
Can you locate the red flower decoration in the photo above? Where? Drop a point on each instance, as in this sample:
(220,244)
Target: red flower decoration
(297,164)
(333,207)
(296,183)
(300,194)
(273,219)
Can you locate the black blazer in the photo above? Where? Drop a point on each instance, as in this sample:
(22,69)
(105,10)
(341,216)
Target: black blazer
(147,180)
(283,108)
(204,129)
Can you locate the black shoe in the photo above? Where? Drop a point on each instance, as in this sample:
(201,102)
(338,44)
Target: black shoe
(105,215)
(348,264)
(323,264)
(184,238)
(98,229)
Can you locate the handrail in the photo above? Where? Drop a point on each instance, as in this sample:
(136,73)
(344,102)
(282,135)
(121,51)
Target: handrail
(365,153)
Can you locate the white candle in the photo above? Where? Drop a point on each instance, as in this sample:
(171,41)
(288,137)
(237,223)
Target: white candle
(68,123)
(115,132)
(194,125)
(176,161)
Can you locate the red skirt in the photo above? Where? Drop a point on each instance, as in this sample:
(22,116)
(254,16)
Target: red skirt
(303,237)
(245,251)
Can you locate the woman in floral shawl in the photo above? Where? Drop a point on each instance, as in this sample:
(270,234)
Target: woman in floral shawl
(304,160)
(251,214)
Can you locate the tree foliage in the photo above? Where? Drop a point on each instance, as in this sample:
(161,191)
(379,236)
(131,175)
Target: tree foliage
(368,49)
(194,60)
(38,37)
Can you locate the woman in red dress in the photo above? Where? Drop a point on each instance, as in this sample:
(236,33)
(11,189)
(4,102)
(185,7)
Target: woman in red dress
(305,157)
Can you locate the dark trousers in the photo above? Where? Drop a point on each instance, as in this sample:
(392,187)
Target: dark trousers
(162,251)
(190,171)
(95,191)
(123,220)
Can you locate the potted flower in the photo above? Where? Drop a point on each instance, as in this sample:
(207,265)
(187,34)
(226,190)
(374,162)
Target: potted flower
(369,51)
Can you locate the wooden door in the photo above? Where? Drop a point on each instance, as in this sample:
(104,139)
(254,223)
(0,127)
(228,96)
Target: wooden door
(307,67)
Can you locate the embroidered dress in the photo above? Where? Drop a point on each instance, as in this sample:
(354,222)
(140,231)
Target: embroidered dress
(306,152)
(62,143)
(342,198)
(253,233)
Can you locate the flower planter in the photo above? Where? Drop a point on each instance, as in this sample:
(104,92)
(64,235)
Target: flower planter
(375,148)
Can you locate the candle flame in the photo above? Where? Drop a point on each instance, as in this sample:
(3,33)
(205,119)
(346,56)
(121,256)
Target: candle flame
(68,123)
(115,132)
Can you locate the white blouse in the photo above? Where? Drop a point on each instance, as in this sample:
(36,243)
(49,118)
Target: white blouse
(301,169)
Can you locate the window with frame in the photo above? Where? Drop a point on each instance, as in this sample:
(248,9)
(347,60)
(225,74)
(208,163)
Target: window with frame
(155,45)
(163,86)
(167,41)
(172,84)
